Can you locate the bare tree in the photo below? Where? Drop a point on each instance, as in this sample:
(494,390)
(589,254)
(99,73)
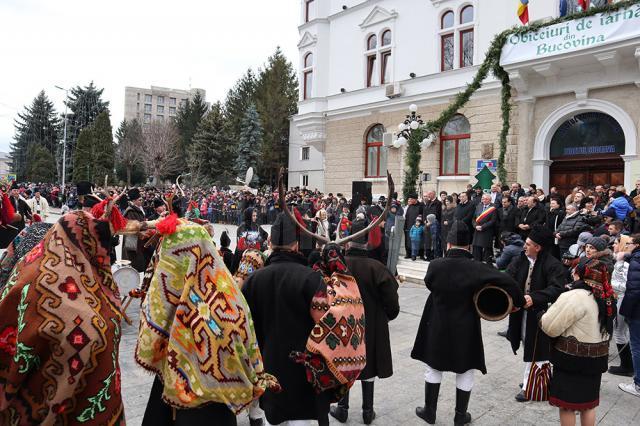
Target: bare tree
(160,141)
(130,146)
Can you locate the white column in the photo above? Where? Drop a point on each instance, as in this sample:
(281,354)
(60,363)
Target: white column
(540,173)
(526,137)
(629,179)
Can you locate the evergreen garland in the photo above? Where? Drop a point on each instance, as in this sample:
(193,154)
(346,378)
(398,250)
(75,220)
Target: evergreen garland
(492,63)
(413,163)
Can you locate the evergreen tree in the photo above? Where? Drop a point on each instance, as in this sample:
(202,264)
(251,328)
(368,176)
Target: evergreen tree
(211,153)
(41,166)
(276,100)
(129,152)
(94,154)
(236,104)
(38,125)
(188,117)
(250,142)
(85,104)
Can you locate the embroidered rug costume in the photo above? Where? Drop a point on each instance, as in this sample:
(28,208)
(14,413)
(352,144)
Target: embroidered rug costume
(335,353)
(196,331)
(20,246)
(60,331)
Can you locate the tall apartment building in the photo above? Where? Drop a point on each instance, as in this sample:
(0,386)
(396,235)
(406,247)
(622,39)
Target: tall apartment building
(155,103)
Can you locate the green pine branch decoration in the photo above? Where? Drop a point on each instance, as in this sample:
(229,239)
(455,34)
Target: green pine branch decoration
(413,163)
(490,63)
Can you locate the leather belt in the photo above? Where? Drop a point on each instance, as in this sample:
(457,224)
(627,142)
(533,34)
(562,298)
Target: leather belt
(571,345)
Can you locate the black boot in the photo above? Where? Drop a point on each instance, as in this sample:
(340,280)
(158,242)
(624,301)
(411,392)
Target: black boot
(367,403)
(626,363)
(428,412)
(340,412)
(462,403)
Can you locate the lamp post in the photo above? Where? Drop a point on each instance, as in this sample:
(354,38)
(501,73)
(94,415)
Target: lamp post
(64,139)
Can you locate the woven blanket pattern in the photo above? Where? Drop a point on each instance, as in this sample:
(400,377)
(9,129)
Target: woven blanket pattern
(196,331)
(60,331)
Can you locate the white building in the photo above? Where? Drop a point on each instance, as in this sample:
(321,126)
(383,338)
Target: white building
(362,63)
(5,162)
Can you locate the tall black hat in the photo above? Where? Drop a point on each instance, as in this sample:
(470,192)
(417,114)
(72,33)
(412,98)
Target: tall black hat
(133,194)
(356,226)
(225,241)
(541,235)
(84,187)
(459,235)
(157,202)
(283,230)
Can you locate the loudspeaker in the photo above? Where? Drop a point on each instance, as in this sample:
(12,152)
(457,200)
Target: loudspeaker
(360,189)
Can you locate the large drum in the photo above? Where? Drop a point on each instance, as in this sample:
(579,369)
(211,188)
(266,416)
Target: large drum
(126,277)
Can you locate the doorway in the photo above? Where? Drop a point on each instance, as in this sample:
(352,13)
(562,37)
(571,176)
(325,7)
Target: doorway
(567,174)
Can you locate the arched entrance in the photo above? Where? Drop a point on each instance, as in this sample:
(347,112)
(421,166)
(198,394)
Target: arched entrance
(586,150)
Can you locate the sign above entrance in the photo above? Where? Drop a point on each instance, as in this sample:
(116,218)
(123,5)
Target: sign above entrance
(492,165)
(572,36)
(590,134)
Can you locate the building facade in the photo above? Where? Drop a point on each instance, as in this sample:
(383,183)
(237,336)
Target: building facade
(5,164)
(363,63)
(155,103)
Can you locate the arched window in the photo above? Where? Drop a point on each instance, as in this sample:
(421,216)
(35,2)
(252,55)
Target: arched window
(447,49)
(372,42)
(454,147)
(386,38)
(375,153)
(307,76)
(456,39)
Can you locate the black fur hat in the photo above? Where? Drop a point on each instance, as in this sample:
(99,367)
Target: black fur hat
(283,230)
(133,194)
(356,226)
(541,235)
(225,241)
(459,234)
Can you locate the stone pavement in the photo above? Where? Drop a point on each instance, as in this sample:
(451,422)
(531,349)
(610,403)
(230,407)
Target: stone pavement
(492,400)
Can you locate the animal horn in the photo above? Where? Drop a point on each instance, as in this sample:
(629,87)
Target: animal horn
(376,222)
(284,206)
(178,183)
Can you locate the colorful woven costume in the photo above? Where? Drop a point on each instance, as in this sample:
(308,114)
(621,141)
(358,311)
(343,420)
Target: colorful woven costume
(251,261)
(335,353)
(20,246)
(196,331)
(60,331)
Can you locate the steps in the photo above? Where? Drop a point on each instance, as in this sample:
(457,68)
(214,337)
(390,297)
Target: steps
(412,271)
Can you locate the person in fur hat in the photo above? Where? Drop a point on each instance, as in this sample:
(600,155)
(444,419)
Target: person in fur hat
(133,248)
(541,277)
(225,251)
(453,281)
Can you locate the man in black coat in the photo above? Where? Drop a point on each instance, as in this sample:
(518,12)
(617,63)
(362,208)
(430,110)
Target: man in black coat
(450,336)
(379,291)
(507,216)
(541,277)
(533,214)
(484,222)
(133,248)
(413,210)
(464,210)
(279,296)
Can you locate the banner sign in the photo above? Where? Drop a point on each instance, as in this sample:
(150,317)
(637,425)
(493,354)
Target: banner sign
(491,165)
(572,36)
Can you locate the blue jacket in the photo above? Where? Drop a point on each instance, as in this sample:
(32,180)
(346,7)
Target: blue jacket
(514,246)
(621,207)
(630,307)
(415,234)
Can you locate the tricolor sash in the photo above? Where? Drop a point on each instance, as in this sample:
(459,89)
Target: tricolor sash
(483,216)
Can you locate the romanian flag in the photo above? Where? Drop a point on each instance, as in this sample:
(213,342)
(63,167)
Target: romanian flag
(584,4)
(523,11)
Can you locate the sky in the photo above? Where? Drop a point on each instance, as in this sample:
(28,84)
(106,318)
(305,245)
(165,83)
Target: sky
(117,43)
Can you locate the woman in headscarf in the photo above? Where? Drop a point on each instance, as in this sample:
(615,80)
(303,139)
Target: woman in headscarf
(249,236)
(581,321)
(196,334)
(60,330)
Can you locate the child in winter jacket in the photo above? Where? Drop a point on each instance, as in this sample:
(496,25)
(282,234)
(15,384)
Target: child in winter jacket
(415,234)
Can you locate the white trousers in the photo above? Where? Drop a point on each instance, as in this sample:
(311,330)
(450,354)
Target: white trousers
(255,412)
(464,381)
(620,329)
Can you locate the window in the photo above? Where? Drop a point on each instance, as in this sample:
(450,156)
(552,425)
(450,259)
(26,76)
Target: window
(304,180)
(147,118)
(160,99)
(375,55)
(386,38)
(172,110)
(308,10)
(307,76)
(138,106)
(372,42)
(147,107)
(138,97)
(456,40)
(160,117)
(305,153)
(454,147)
(147,98)
(385,76)
(160,109)
(183,102)
(172,101)
(375,153)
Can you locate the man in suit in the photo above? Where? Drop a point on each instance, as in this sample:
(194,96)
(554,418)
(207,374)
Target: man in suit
(531,216)
(484,222)
(496,196)
(464,210)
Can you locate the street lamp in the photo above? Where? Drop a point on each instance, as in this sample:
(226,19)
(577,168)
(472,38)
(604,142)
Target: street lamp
(412,122)
(64,139)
